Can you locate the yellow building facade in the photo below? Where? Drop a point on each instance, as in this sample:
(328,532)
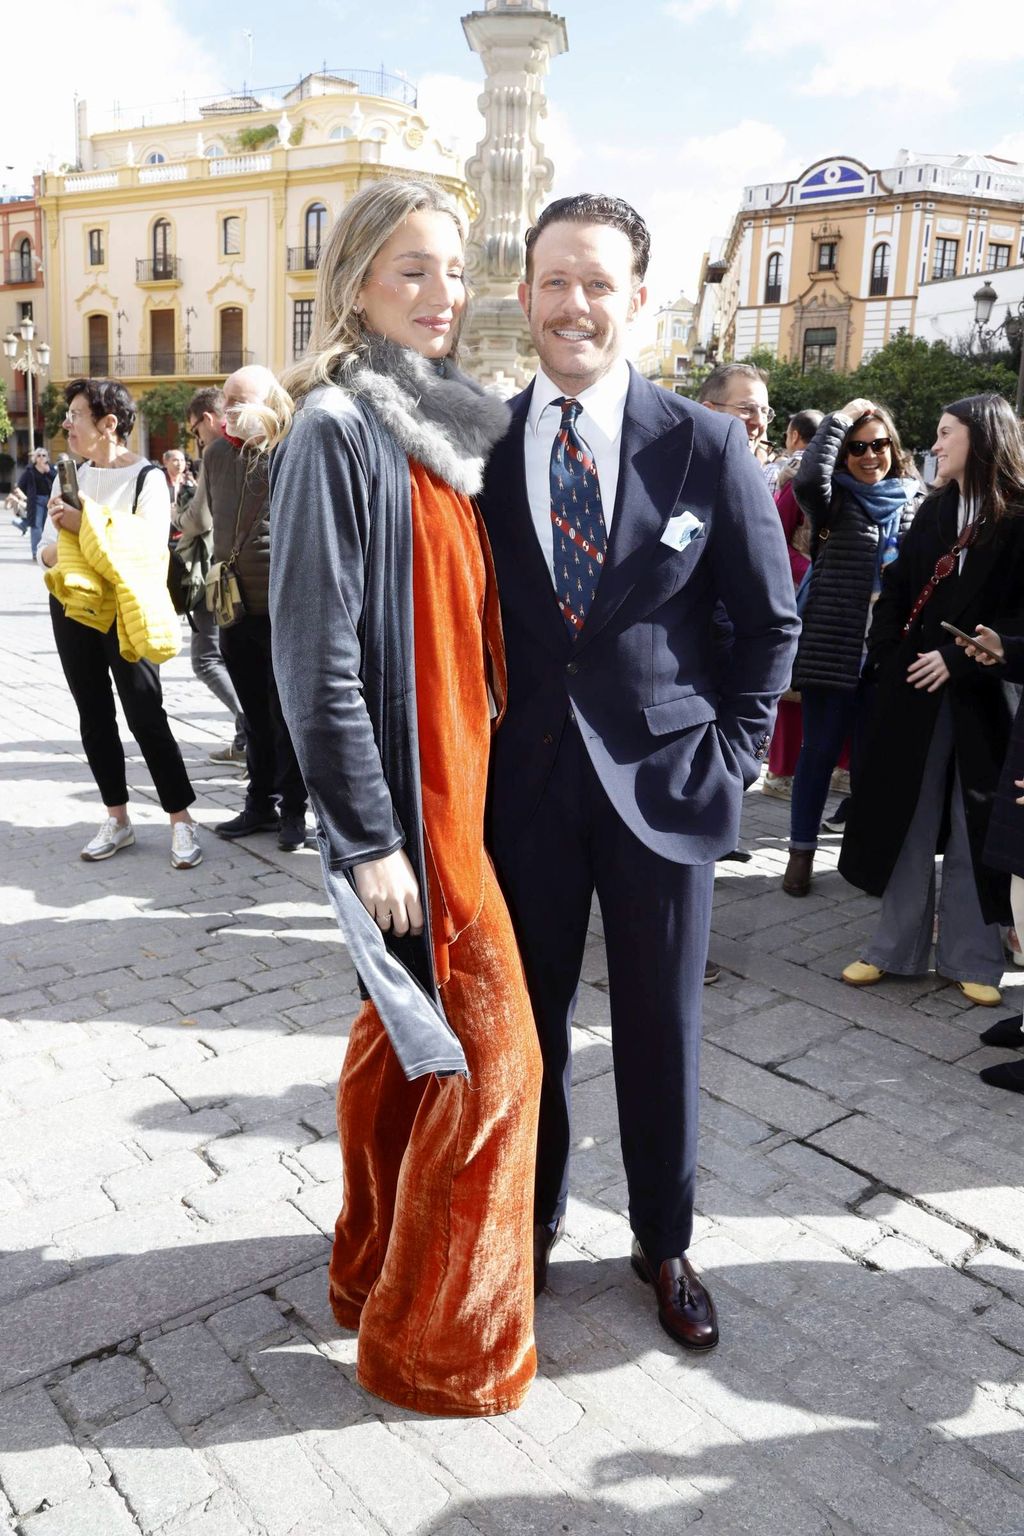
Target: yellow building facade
(180,251)
(666,359)
(824,270)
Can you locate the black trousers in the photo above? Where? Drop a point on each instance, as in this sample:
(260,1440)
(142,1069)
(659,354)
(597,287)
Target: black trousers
(657,919)
(273,767)
(90,660)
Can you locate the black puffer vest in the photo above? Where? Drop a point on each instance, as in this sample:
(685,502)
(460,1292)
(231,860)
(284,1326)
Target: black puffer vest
(844,549)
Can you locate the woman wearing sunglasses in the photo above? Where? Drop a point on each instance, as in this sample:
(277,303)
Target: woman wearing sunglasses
(859,492)
(941,725)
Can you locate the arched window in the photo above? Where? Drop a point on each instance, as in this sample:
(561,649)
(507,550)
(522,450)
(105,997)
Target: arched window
(155,158)
(341,131)
(377,135)
(880,270)
(163,262)
(773,279)
(213,152)
(23,261)
(316,229)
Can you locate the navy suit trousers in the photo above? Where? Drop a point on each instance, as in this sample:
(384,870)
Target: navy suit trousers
(656,916)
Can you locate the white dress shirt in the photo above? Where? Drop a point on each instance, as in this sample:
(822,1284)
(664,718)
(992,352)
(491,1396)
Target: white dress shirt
(114,487)
(599,424)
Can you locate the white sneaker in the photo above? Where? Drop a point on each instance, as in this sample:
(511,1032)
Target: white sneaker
(185,850)
(110,839)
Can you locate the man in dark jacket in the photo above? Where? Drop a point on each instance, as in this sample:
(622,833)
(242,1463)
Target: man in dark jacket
(234,486)
(619,515)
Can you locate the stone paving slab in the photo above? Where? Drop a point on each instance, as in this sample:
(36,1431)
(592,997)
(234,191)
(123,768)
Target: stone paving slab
(169,1178)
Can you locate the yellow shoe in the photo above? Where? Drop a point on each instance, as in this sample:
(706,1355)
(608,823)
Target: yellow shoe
(860,974)
(977,992)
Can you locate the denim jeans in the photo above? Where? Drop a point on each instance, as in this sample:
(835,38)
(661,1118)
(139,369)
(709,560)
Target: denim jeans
(830,715)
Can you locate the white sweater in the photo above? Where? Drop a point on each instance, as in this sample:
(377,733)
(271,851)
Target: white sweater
(115,488)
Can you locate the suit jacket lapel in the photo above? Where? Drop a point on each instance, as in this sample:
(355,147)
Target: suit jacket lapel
(654,459)
(526,585)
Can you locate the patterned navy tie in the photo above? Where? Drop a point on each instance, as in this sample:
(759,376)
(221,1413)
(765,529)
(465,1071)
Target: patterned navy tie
(580,536)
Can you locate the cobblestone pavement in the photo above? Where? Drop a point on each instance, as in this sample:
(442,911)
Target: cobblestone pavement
(169,1175)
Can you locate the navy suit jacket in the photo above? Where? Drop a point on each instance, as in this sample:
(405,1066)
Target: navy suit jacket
(676,723)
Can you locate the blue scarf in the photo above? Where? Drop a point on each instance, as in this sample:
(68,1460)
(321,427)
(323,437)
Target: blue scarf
(884,504)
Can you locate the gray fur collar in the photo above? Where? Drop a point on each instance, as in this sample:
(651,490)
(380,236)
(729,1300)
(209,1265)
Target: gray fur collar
(445,420)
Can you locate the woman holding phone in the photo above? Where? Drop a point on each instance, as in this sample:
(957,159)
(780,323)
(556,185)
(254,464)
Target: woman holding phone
(99,419)
(941,725)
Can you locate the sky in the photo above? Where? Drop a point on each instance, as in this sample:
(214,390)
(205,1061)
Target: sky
(675,105)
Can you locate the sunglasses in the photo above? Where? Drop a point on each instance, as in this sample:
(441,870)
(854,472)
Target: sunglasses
(877,445)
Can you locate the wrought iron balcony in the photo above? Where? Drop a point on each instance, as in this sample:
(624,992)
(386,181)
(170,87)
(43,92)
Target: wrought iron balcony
(159,364)
(303,258)
(21,269)
(161,269)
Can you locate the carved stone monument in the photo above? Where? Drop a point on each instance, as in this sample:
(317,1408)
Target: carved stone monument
(516,39)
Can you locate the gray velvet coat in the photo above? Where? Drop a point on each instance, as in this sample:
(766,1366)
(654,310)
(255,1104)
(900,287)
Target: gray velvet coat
(342,625)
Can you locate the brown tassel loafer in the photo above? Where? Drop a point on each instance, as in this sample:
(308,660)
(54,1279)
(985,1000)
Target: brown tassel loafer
(685,1309)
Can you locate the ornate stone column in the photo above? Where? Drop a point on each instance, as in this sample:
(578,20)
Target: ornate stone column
(516,39)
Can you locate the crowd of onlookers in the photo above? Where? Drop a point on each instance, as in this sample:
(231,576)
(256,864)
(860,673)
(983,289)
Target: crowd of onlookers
(912,736)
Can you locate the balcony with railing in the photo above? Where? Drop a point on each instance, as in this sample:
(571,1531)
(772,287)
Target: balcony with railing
(158,364)
(303,258)
(159,269)
(22,269)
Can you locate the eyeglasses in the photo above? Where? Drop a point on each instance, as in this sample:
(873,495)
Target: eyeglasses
(748,412)
(74,416)
(877,445)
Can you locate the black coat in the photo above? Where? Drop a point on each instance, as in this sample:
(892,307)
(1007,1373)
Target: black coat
(844,551)
(989,590)
(1004,846)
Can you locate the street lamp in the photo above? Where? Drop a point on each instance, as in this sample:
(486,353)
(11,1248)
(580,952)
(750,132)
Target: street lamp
(700,355)
(28,365)
(1011,325)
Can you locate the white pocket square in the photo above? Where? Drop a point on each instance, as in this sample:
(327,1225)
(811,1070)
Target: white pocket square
(680,530)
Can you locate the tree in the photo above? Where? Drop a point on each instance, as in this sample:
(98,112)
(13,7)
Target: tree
(5,421)
(53,406)
(915,379)
(911,377)
(167,405)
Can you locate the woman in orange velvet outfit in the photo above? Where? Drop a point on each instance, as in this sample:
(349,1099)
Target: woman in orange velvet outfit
(389,661)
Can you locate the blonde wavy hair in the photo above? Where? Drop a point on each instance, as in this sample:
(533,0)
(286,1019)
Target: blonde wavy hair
(337,339)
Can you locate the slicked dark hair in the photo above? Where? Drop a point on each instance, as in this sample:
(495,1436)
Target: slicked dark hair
(106,397)
(595,208)
(211,399)
(994,476)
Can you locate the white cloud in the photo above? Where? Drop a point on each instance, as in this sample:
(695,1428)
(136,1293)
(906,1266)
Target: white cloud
(1009,147)
(449,104)
(691,10)
(135,51)
(697,195)
(915,50)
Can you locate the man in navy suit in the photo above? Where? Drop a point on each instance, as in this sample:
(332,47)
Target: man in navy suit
(620,518)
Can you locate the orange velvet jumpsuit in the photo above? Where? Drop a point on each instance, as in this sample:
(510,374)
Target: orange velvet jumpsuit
(432,1257)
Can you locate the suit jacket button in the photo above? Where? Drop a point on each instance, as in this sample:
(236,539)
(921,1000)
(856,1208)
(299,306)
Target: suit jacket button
(572,668)
(548,738)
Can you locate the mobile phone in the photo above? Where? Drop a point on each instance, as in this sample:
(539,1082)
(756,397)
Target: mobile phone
(68,477)
(971,640)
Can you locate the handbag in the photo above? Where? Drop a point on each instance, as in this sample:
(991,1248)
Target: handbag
(223,594)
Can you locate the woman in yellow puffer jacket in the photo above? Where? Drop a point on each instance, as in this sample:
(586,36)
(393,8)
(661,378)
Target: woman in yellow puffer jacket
(117,482)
